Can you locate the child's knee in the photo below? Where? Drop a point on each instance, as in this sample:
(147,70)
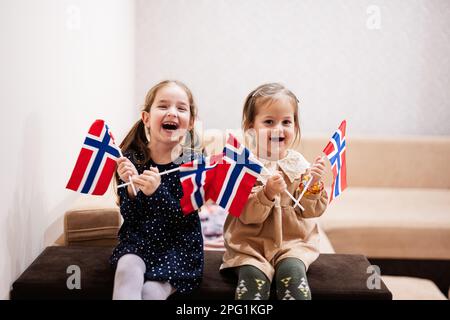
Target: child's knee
(290,266)
(291,281)
(253,284)
(156,290)
(129,265)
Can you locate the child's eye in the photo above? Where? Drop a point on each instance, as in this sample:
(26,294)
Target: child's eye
(182,109)
(287,122)
(162,107)
(268,122)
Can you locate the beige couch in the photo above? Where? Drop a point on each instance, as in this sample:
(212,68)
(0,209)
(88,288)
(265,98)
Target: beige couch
(397,205)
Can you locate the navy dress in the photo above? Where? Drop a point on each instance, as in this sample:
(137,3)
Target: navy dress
(155,229)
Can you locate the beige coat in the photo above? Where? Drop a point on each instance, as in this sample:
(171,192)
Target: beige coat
(269,231)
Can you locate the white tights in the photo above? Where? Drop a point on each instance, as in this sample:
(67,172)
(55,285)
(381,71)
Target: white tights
(129,282)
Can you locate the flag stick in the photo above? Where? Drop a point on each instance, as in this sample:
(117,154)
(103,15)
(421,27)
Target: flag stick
(287,192)
(169,171)
(129,177)
(161,174)
(306,187)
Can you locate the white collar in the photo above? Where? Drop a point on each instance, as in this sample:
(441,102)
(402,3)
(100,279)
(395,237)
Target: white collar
(293,166)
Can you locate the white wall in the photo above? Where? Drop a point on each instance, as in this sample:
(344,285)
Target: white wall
(63,64)
(393,80)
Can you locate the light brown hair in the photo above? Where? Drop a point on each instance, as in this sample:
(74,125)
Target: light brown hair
(136,139)
(263,94)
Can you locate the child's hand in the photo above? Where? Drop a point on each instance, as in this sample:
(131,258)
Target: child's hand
(317,170)
(275,185)
(126,169)
(148,181)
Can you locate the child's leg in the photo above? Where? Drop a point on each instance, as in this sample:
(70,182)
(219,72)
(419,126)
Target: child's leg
(129,278)
(157,290)
(291,282)
(252,284)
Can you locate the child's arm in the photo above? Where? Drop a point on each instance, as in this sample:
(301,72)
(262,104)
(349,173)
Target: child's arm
(126,170)
(151,190)
(257,208)
(128,204)
(315,200)
(153,193)
(148,182)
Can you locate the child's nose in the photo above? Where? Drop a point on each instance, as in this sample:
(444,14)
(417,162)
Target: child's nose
(172,111)
(278,128)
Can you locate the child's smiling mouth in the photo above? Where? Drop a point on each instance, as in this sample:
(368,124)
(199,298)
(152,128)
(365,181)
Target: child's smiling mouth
(170,126)
(277,139)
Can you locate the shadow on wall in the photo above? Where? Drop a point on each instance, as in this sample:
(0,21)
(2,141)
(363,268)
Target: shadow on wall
(25,220)
(28,229)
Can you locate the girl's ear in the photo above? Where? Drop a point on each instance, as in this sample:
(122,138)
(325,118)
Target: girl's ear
(145,116)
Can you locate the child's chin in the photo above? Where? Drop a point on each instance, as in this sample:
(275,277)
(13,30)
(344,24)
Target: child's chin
(171,133)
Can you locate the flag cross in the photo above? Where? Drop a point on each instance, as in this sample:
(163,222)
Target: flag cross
(199,177)
(239,159)
(339,148)
(335,152)
(102,148)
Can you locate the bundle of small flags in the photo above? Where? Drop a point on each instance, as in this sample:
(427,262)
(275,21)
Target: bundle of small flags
(226,179)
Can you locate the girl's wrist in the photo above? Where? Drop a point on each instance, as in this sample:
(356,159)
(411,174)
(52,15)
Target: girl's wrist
(268,195)
(315,188)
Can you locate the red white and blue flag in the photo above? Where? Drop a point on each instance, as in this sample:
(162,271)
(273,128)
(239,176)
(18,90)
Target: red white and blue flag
(227,179)
(335,152)
(235,177)
(194,177)
(96,162)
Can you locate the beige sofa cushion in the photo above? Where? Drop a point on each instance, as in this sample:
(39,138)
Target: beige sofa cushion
(406,288)
(393,162)
(91,227)
(92,221)
(385,222)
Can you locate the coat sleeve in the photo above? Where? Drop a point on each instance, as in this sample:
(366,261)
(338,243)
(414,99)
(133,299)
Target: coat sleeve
(257,208)
(314,204)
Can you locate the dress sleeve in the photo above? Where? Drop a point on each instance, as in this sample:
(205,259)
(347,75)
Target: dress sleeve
(128,206)
(314,204)
(257,208)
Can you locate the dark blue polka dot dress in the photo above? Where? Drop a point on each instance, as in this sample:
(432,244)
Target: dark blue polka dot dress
(155,228)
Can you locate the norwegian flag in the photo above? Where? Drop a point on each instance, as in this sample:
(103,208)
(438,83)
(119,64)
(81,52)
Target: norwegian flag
(335,152)
(194,176)
(235,177)
(96,162)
